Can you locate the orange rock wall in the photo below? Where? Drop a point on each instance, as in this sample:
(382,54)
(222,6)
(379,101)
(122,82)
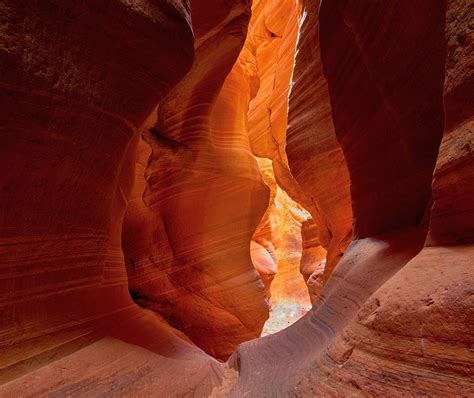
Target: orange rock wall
(203,195)
(274,29)
(277,243)
(128,163)
(313,259)
(315,157)
(394,319)
(78,80)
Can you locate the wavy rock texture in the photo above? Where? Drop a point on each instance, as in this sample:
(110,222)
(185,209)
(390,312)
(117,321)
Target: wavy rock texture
(264,240)
(203,195)
(286,218)
(131,138)
(289,295)
(274,29)
(315,157)
(71,110)
(416,331)
(389,126)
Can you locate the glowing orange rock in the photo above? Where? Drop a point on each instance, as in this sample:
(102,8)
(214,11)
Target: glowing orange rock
(273,28)
(204,190)
(313,259)
(279,232)
(389,125)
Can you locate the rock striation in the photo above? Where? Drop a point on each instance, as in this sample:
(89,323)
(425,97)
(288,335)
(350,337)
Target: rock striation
(313,259)
(416,330)
(78,80)
(394,319)
(200,195)
(278,239)
(274,30)
(157,158)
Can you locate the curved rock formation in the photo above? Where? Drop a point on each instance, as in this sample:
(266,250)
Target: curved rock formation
(315,158)
(128,143)
(274,28)
(279,235)
(357,341)
(419,326)
(264,242)
(265,261)
(313,259)
(204,194)
(78,79)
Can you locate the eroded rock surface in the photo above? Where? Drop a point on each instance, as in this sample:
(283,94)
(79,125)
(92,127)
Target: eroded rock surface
(313,259)
(204,193)
(128,157)
(314,155)
(78,79)
(375,329)
(419,325)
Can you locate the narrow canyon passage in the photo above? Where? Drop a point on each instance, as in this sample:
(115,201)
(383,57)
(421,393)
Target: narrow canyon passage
(239,198)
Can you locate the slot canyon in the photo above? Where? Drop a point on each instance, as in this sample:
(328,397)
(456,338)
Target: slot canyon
(237,198)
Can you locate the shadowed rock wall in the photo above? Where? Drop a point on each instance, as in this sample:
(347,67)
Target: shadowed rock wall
(77,82)
(393,319)
(315,157)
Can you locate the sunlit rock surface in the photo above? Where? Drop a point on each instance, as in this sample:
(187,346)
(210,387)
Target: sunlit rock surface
(313,259)
(274,29)
(375,329)
(276,254)
(201,194)
(156,180)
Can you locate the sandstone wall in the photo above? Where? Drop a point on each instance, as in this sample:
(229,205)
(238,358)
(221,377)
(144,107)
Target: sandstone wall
(78,80)
(395,316)
(200,194)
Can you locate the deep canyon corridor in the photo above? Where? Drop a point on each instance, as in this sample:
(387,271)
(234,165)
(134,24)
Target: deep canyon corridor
(237,198)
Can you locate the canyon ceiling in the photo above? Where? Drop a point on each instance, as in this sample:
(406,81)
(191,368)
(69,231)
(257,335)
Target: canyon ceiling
(173,169)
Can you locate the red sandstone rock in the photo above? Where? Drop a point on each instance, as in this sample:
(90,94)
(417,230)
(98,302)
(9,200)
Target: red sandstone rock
(286,217)
(388,322)
(203,195)
(315,158)
(417,329)
(265,262)
(395,317)
(452,216)
(279,232)
(273,30)
(78,79)
(312,263)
